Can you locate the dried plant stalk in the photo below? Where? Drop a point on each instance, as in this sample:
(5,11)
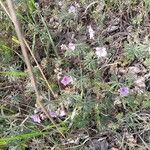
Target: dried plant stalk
(40,69)
(13,17)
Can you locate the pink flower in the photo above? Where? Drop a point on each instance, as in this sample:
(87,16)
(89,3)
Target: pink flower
(66,80)
(124,91)
(91,32)
(62,113)
(71,46)
(36,118)
(53,114)
(101,52)
(72,9)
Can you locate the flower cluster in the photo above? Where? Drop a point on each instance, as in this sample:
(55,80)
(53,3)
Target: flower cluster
(37,118)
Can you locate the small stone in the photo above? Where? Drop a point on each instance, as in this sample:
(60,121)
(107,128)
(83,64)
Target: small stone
(116,21)
(112,29)
(140,82)
(72,46)
(117,102)
(133,70)
(63,47)
(130,138)
(101,52)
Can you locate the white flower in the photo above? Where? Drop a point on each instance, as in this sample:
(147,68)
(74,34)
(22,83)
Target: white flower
(101,52)
(71,46)
(63,47)
(60,3)
(91,32)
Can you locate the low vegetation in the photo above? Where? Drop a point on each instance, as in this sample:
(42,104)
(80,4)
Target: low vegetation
(95,57)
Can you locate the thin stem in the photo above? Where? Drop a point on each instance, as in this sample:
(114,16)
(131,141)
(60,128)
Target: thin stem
(3,6)
(50,88)
(50,37)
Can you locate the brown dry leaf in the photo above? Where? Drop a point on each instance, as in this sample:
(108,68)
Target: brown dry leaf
(140,82)
(44,63)
(129,137)
(68,89)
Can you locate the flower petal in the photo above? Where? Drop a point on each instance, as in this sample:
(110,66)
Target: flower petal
(53,114)
(124,91)
(62,113)
(72,9)
(66,80)
(36,118)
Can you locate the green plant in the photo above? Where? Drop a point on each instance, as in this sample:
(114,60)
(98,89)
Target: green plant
(5,141)
(136,50)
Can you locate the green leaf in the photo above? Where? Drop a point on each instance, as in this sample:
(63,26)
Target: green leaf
(147,62)
(119,116)
(5,141)
(31,6)
(15,73)
(6,52)
(146,104)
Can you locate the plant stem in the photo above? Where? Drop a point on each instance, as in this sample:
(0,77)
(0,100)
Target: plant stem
(14,19)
